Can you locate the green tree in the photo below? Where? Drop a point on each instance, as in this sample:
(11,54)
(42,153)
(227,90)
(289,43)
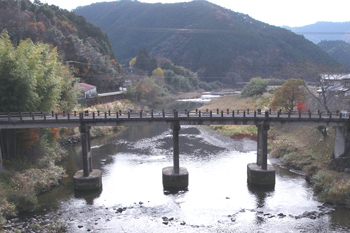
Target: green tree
(289,95)
(256,86)
(144,61)
(33,78)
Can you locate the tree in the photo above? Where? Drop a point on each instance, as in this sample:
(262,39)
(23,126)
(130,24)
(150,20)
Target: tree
(158,72)
(144,61)
(289,95)
(256,86)
(33,78)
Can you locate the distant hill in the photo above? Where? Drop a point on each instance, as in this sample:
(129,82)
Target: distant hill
(85,47)
(324,31)
(201,36)
(338,49)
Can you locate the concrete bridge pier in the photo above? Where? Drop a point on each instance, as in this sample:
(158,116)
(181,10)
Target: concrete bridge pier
(175,178)
(342,142)
(88,178)
(260,173)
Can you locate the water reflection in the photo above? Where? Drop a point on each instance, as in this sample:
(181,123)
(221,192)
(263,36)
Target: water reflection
(88,196)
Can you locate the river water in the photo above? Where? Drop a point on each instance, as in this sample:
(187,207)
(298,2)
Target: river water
(218,199)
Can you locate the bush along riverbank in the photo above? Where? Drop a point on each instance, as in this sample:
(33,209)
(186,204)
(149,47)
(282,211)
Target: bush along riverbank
(39,168)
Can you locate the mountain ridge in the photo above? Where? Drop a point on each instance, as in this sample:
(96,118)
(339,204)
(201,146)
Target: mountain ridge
(201,36)
(323,30)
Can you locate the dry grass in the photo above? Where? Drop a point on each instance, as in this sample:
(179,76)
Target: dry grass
(235,102)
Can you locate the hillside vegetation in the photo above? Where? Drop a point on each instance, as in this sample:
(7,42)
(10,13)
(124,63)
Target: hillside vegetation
(85,47)
(338,49)
(215,42)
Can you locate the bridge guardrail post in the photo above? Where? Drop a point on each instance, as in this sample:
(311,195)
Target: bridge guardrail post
(222,113)
(238,112)
(233,113)
(152,113)
(93,115)
(267,114)
(68,116)
(228,111)
(330,115)
(243,113)
(248,111)
(128,114)
(200,113)
(105,115)
(117,114)
(259,111)
(141,114)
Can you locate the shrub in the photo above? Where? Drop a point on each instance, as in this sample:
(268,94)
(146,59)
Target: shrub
(256,86)
(332,187)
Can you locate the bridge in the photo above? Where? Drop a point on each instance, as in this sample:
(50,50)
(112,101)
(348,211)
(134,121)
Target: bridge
(176,176)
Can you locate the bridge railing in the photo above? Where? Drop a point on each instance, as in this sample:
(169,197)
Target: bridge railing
(166,113)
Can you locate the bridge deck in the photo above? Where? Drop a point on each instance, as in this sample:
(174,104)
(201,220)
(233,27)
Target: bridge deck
(162,117)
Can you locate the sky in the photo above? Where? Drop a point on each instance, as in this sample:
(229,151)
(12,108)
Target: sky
(293,13)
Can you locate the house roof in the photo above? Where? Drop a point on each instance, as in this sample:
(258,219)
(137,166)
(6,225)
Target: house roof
(336,77)
(86,87)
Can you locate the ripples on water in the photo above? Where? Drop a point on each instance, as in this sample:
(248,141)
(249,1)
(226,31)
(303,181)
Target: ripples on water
(218,198)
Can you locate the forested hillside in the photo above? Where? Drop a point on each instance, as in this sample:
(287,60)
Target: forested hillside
(85,47)
(338,49)
(215,42)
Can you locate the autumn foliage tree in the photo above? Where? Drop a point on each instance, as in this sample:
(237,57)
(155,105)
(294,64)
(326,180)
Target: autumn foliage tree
(289,95)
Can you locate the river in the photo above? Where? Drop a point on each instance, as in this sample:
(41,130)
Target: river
(218,199)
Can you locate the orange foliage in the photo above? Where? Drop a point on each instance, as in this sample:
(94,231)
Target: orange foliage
(27,137)
(54,133)
(41,26)
(67,25)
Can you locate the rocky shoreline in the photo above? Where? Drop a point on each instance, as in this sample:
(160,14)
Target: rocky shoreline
(94,218)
